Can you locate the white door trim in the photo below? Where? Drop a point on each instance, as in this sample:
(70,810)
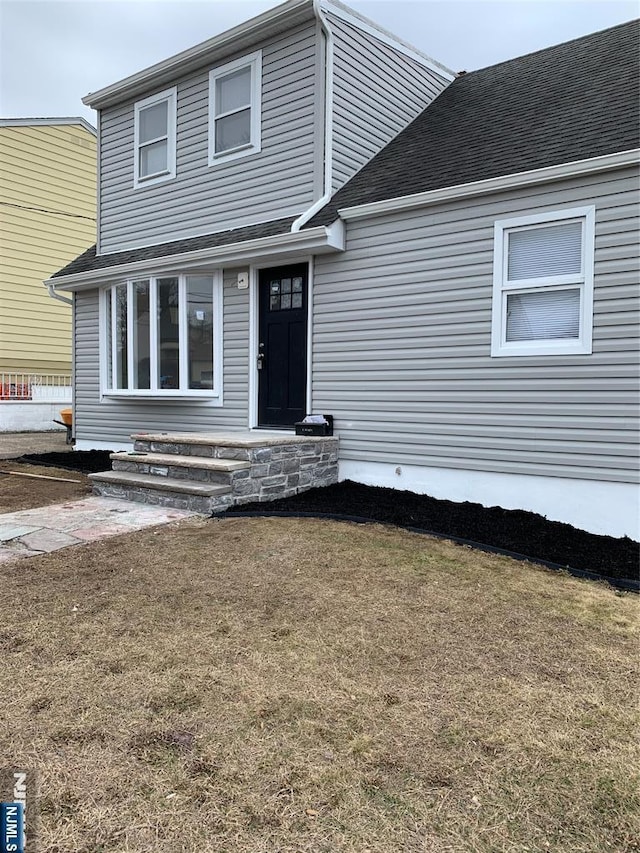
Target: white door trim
(254,319)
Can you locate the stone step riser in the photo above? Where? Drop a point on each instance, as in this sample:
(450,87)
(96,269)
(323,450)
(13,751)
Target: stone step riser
(177,472)
(239,454)
(194,503)
(318,451)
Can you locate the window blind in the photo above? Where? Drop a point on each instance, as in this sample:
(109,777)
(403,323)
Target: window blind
(233,92)
(538,252)
(154,121)
(543,315)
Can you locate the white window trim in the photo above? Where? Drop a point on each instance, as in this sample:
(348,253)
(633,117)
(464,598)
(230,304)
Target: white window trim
(500,347)
(212,396)
(254,60)
(171,97)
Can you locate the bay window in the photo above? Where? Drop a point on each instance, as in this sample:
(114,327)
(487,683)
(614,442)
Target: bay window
(163,336)
(543,284)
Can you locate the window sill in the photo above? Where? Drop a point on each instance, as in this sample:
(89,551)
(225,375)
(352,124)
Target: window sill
(152,180)
(202,396)
(233,154)
(542,348)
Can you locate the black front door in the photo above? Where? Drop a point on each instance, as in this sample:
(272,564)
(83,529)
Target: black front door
(282,346)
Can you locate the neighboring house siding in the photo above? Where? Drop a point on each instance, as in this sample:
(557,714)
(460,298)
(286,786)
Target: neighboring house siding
(276,182)
(402,338)
(42,169)
(377,91)
(114,419)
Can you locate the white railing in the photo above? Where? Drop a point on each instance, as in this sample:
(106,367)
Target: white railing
(35,386)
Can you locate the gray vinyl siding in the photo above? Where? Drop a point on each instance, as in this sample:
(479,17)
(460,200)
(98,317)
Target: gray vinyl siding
(377,91)
(402,341)
(113,419)
(278,181)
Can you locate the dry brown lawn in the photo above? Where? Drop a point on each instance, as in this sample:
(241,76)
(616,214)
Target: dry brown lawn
(272,685)
(18,493)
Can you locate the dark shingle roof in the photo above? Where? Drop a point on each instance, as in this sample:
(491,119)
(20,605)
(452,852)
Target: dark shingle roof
(88,260)
(571,102)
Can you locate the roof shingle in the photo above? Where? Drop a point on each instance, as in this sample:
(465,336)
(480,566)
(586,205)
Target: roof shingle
(570,102)
(89,260)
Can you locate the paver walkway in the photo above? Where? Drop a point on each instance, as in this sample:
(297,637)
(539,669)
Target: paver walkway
(48,528)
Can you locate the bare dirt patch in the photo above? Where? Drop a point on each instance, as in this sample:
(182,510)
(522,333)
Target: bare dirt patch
(264,685)
(18,493)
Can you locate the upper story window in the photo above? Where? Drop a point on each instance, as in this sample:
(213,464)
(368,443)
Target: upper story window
(543,284)
(163,336)
(235,109)
(155,139)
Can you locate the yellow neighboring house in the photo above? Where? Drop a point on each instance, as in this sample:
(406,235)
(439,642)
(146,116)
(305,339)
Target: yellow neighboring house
(47,217)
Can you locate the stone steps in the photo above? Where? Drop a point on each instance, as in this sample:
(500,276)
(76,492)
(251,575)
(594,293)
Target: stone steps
(208,472)
(166,491)
(179,467)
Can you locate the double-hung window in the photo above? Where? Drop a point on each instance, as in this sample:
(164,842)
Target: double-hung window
(155,139)
(163,336)
(543,284)
(235,108)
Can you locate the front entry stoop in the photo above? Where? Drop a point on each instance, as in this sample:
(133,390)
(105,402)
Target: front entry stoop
(209,472)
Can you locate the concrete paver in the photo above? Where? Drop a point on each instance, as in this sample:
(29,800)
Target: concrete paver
(12,531)
(48,540)
(99,531)
(49,528)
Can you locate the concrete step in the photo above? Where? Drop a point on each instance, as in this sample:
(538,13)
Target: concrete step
(257,438)
(194,503)
(179,467)
(162,484)
(246,447)
(163,491)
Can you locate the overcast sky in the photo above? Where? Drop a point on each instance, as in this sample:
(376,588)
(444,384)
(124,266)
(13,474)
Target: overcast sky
(52,53)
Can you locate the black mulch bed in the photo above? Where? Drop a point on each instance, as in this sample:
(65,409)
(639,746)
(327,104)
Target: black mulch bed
(523,533)
(83,461)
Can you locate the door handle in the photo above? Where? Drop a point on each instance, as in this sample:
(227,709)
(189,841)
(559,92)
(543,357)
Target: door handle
(260,361)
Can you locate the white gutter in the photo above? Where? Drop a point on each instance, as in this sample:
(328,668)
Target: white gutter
(52,293)
(328,121)
(502,182)
(48,122)
(319,240)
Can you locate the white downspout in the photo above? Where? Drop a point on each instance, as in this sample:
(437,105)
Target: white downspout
(328,121)
(52,293)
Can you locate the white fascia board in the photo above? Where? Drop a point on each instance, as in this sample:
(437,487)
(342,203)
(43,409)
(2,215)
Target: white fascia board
(273,21)
(313,241)
(48,122)
(503,182)
(333,7)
